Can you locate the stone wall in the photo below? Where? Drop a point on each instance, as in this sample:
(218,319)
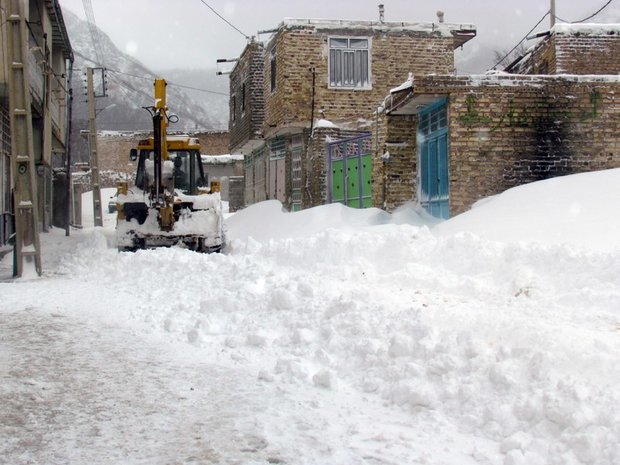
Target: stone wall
(506,131)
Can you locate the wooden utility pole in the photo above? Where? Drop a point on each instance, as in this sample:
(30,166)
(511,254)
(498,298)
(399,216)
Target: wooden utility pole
(552,13)
(27,245)
(92,144)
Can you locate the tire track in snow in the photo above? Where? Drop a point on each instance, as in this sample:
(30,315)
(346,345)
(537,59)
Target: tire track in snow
(74,393)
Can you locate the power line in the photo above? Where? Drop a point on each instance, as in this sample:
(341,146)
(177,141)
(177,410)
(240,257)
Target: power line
(225,20)
(585,19)
(169,83)
(92,27)
(521,41)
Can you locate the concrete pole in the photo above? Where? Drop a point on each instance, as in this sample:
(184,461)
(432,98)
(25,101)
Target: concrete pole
(92,145)
(552,13)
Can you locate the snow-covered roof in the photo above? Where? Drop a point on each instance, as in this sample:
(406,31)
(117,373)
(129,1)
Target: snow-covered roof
(594,29)
(405,85)
(324,123)
(462,32)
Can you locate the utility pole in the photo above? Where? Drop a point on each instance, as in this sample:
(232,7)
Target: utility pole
(92,144)
(27,245)
(552,13)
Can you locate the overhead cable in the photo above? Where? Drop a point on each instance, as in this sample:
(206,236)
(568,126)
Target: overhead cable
(522,40)
(225,20)
(92,27)
(585,19)
(169,83)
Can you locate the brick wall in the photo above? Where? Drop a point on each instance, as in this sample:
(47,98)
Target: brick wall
(247,79)
(585,54)
(511,130)
(573,53)
(235,193)
(314,168)
(302,50)
(394,175)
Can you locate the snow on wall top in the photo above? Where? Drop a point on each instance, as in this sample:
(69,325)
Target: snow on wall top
(444,29)
(220,159)
(594,29)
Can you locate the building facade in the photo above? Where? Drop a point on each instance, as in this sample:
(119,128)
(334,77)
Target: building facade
(446,141)
(48,64)
(318,81)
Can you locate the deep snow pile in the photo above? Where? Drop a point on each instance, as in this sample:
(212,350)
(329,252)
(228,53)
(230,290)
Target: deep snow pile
(496,352)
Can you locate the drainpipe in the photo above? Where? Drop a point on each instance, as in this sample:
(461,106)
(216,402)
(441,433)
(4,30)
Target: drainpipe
(68,148)
(308,192)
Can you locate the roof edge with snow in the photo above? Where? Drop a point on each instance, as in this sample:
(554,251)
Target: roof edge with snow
(461,32)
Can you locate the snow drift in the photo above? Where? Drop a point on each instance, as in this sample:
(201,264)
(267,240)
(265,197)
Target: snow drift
(489,338)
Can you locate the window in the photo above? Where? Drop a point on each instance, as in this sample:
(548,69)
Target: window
(233,108)
(349,62)
(273,69)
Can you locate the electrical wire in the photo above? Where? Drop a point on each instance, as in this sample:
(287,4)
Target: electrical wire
(522,40)
(150,78)
(92,27)
(585,19)
(225,20)
(169,83)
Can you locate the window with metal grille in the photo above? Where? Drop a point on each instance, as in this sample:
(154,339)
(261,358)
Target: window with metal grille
(433,121)
(277,148)
(349,62)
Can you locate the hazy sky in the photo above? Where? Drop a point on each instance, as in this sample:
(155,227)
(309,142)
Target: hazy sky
(167,34)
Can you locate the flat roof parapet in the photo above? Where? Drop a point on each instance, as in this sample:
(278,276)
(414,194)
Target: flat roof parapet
(461,32)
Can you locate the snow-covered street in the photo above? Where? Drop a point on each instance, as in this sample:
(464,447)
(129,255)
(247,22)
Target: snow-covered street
(328,336)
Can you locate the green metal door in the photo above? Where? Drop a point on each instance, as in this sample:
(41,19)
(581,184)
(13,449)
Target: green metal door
(350,172)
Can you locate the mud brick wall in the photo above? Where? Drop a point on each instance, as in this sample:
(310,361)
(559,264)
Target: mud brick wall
(301,50)
(213,142)
(508,131)
(248,120)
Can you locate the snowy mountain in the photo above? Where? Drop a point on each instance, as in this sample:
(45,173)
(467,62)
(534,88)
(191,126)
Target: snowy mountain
(130,87)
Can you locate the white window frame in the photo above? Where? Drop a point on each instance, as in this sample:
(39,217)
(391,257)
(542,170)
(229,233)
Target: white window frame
(368,85)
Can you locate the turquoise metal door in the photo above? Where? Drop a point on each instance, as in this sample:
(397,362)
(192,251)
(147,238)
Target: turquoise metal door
(434,189)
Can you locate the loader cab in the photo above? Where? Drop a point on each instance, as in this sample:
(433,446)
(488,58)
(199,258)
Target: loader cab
(183,167)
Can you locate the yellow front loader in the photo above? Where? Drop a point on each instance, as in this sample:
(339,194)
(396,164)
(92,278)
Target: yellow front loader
(170,203)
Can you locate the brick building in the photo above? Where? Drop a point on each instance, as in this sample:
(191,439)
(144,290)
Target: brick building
(446,141)
(318,81)
(50,56)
